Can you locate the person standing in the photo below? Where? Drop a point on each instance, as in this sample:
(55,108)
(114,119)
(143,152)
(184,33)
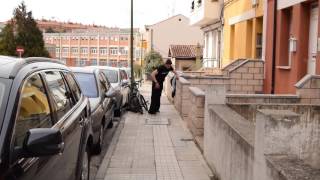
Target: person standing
(158,76)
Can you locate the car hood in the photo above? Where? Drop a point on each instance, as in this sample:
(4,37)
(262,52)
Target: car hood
(115,85)
(94,103)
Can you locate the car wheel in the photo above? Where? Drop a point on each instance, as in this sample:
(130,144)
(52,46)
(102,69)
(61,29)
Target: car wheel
(85,167)
(98,146)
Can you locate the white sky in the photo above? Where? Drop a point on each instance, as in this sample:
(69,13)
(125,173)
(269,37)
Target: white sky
(101,12)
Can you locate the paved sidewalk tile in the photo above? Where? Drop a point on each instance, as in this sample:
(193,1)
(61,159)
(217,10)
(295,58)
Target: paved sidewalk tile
(156,147)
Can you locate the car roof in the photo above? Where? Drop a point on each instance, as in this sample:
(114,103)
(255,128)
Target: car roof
(10,66)
(84,70)
(106,67)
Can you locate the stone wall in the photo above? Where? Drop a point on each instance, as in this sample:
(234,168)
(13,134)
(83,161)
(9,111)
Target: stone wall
(196,114)
(308,88)
(282,144)
(247,77)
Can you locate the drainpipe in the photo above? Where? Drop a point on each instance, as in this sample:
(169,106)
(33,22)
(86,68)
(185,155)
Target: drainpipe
(274,46)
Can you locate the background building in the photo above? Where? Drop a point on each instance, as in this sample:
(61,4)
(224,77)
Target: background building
(175,30)
(1,26)
(184,56)
(242,30)
(207,14)
(108,46)
(292,50)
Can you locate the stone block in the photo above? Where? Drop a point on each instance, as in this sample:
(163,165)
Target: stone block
(200,112)
(258,76)
(315,83)
(259,64)
(247,76)
(254,70)
(253,82)
(241,81)
(248,88)
(232,81)
(235,88)
(242,70)
(198,122)
(200,102)
(305,101)
(249,64)
(235,76)
(258,88)
(309,93)
(315,101)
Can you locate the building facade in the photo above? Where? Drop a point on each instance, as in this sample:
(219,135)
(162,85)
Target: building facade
(292,51)
(242,30)
(175,30)
(207,15)
(88,47)
(184,57)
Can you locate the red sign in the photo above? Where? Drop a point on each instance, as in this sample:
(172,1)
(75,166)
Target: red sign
(20,51)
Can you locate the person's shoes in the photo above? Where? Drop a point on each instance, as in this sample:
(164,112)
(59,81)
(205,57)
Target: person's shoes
(158,111)
(151,112)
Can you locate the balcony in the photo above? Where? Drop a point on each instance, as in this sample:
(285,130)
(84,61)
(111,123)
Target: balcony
(204,12)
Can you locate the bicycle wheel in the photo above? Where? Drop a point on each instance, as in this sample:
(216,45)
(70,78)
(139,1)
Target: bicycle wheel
(143,102)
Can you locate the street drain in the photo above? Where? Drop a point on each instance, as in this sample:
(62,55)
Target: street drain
(157,121)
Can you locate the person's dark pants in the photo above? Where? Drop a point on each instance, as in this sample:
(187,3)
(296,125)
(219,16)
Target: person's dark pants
(155,98)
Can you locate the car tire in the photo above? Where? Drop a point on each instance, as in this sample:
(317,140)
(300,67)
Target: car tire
(98,147)
(85,166)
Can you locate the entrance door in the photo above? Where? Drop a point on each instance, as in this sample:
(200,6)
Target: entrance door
(313,36)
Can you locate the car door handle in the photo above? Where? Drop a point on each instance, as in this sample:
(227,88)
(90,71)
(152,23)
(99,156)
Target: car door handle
(81,122)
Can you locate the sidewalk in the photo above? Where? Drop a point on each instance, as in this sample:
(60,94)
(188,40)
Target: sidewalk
(153,147)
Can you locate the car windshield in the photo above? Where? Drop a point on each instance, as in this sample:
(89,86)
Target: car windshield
(88,84)
(112,75)
(4,86)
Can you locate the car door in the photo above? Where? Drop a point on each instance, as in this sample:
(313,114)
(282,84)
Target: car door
(33,111)
(107,103)
(68,116)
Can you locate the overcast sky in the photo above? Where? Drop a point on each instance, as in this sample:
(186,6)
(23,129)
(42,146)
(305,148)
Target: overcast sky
(100,12)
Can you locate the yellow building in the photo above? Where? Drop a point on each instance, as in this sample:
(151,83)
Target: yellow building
(242,30)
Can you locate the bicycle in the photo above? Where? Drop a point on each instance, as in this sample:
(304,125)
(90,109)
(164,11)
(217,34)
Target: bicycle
(136,100)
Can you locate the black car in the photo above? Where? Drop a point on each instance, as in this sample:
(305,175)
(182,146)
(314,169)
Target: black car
(45,125)
(97,88)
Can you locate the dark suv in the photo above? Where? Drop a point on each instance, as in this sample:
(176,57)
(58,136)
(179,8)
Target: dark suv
(45,126)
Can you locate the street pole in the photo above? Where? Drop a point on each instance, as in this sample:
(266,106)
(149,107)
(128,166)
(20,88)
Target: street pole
(141,56)
(131,45)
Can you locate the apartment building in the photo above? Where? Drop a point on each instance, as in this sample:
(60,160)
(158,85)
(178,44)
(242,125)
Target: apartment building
(207,15)
(242,30)
(293,46)
(95,47)
(174,30)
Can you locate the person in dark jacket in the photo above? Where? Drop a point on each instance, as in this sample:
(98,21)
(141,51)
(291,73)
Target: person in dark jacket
(158,76)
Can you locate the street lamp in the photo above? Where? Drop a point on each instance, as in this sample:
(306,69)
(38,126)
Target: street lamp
(131,45)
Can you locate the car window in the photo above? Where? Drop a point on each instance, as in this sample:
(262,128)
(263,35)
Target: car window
(34,110)
(123,75)
(59,92)
(5,85)
(87,84)
(73,86)
(112,75)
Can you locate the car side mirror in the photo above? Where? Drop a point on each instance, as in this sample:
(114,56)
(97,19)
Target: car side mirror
(111,93)
(124,83)
(42,142)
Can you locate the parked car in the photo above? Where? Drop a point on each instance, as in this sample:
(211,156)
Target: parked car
(119,80)
(45,121)
(97,88)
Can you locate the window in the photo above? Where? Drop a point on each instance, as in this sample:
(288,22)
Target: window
(34,110)
(59,92)
(94,62)
(259,46)
(73,86)
(103,51)
(74,50)
(65,50)
(57,50)
(93,50)
(112,75)
(83,62)
(84,50)
(113,51)
(87,84)
(123,51)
